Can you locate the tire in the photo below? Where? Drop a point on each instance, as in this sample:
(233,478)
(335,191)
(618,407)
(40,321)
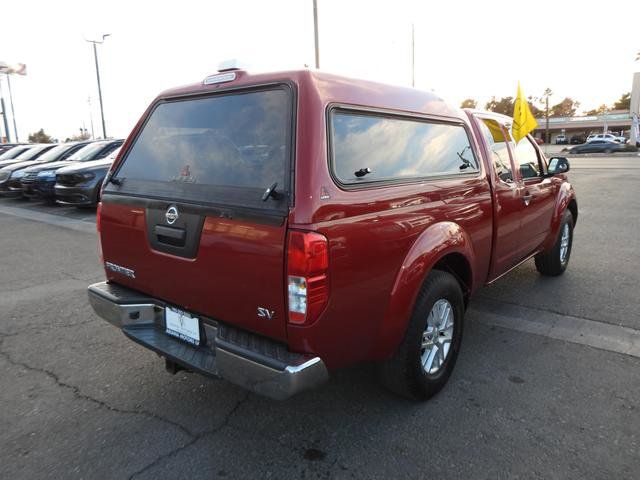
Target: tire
(404,373)
(608,150)
(554,262)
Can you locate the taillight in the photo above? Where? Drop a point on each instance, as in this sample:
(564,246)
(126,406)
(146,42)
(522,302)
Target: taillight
(307,281)
(98,227)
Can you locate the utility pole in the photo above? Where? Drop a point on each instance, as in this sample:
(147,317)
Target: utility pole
(315,32)
(95,56)
(13,111)
(547,93)
(413,56)
(4,116)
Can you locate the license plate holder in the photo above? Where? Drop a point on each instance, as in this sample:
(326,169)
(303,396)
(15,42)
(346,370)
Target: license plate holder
(182,325)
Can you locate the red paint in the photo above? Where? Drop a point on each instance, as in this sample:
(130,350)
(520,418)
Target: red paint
(382,241)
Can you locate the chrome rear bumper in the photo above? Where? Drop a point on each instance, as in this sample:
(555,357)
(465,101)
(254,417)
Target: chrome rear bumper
(253,362)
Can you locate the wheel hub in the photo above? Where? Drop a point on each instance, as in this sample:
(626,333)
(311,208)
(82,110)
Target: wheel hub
(437,336)
(564,243)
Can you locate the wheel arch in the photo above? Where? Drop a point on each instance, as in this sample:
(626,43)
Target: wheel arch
(458,265)
(444,246)
(573,208)
(565,200)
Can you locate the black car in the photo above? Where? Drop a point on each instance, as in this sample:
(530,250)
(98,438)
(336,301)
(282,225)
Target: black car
(602,146)
(577,140)
(11,175)
(39,180)
(80,184)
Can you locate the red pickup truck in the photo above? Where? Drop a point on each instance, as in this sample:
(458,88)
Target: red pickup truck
(270,228)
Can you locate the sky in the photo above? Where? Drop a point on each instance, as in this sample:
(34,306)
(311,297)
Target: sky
(462,49)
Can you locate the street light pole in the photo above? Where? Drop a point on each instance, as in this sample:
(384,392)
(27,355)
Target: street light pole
(315,32)
(95,57)
(3,111)
(13,111)
(547,93)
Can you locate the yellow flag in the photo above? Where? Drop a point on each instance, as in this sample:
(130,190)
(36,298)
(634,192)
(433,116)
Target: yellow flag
(523,120)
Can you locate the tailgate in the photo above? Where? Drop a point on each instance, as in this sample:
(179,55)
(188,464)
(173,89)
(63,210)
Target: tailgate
(226,268)
(189,219)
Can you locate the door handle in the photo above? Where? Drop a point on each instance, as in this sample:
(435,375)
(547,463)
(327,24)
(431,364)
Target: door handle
(171,232)
(526,198)
(170,235)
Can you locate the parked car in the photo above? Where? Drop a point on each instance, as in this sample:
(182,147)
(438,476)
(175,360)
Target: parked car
(12,152)
(8,146)
(9,168)
(601,146)
(603,136)
(270,228)
(11,186)
(577,140)
(39,180)
(80,184)
(561,140)
(29,154)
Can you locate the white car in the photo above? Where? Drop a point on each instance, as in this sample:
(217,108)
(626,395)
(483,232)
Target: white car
(603,136)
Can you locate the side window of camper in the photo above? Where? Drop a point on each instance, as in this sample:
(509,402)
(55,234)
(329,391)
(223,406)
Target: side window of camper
(375,147)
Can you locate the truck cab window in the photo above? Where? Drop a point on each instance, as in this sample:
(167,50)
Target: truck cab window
(527,159)
(497,144)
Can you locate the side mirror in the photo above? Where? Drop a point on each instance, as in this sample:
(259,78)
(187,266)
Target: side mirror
(558,165)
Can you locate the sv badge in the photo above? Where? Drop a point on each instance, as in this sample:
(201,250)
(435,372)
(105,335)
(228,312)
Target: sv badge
(265,313)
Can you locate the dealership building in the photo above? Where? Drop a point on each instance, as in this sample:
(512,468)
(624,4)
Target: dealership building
(615,121)
(620,122)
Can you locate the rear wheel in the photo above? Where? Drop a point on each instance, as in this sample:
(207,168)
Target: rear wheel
(425,359)
(555,261)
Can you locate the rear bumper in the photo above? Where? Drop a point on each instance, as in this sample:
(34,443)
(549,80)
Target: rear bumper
(243,358)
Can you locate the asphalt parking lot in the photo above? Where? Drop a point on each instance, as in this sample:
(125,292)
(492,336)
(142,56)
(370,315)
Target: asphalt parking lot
(547,384)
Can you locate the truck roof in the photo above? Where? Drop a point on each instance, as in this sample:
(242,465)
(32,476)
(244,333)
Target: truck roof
(489,113)
(329,88)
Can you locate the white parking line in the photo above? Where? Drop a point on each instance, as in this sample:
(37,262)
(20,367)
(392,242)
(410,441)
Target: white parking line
(57,220)
(605,336)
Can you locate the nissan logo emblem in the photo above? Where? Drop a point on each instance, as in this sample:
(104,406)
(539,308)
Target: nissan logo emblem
(172,215)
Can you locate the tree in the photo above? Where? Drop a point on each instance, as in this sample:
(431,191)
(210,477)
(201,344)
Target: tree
(40,137)
(598,111)
(468,103)
(535,111)
(84,135)
(624,103)
(503,105)
(566,108)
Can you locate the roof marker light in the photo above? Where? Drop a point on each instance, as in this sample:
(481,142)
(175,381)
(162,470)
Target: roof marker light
(219,78)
